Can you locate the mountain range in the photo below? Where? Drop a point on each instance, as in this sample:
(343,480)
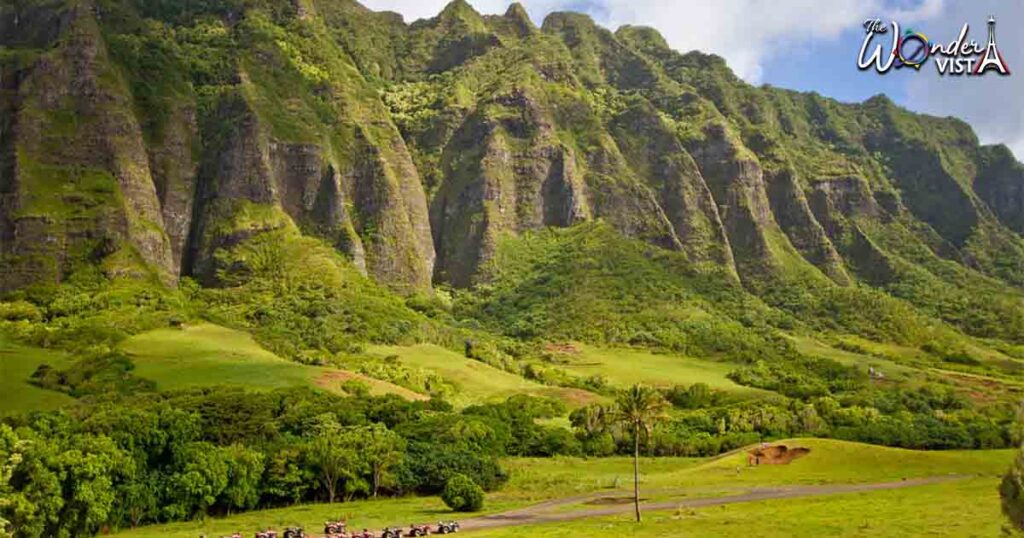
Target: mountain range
(157,140)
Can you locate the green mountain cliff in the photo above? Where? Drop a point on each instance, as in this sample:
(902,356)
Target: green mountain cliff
(159,140)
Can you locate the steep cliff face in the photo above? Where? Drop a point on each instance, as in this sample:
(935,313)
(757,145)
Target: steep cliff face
(164,151)
(80,188)
(1000,183)
(154,138)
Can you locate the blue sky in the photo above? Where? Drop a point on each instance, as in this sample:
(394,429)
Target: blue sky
(812,45)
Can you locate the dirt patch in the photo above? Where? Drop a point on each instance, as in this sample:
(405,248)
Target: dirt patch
(775,454)
(572,397)
(606,501)
(332,380)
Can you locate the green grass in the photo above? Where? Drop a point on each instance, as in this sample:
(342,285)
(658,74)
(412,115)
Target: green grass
(207,354)
(960,508)
(372,514)
(815,348)
(829,462)
(624,367)
(474,380)
(17,363)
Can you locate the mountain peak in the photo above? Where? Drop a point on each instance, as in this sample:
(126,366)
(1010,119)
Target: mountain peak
(458,9)
(515,20)
(643,38)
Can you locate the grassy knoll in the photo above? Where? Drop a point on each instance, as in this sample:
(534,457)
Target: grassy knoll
(17,363)
(474,380)
(829,462)
(625,367)
(206,354)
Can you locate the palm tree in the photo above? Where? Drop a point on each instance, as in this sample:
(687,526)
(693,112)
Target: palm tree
(639,408)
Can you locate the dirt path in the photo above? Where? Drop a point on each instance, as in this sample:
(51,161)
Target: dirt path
(542,512)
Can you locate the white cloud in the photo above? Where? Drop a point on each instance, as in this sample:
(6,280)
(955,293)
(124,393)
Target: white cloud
(746,32)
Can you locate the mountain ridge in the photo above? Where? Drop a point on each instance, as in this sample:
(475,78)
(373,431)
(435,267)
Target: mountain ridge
(153,139)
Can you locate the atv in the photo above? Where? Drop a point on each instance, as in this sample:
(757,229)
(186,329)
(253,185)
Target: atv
(447,527)
(419,530)
(294,532)
(267,534)
(335,527)
(363,534)
(391,532)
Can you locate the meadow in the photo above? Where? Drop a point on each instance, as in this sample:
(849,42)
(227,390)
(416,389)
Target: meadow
(17,362)
(476,381)
(624,367)
(205,354)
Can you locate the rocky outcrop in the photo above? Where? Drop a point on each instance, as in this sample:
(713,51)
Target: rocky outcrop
(500,176)
(1000,183)
(737,183)
(656,154)
(174,167)
(81,188)
(794,216)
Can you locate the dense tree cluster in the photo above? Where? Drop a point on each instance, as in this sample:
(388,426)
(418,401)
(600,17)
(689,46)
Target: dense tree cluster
(184,455)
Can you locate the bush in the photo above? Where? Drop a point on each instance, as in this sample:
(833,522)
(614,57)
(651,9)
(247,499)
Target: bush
(1011,491)
(462,494)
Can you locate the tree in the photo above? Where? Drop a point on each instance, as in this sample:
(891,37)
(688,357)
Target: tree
(381,449)
(638,408)
(1011,491)
(245,470)
(10,457)
(462,494)
(201,475)
(333,458)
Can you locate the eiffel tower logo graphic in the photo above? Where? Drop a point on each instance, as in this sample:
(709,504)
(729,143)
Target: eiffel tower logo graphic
(992,58)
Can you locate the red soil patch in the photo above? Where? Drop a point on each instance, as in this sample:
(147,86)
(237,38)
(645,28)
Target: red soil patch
(333,379)
(775,454)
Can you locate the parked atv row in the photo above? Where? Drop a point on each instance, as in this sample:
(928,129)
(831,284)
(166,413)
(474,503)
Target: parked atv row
(339,529)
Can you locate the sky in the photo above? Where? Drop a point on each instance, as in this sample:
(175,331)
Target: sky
(813,45)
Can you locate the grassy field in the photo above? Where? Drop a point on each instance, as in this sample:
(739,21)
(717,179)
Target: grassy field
(961,508)
(476,381)
(206,354)
(829,462)
(815,348)
(625,367)
(17,363)
(967,506)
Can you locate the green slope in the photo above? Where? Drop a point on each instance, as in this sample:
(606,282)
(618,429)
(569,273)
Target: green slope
(623,367)
(475,381)
(207,354)
(17,362)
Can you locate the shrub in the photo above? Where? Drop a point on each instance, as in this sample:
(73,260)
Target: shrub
(462,494)
(1011,491)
